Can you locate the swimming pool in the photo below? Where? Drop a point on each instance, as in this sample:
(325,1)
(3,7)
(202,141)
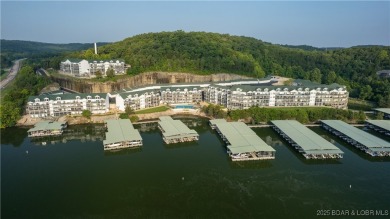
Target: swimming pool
(184,107)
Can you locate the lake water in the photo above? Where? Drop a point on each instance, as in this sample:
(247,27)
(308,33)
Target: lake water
(72,177)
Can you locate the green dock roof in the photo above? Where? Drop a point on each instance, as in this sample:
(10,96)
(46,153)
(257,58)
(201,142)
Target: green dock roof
(384,124)
(217,121)
(308,140)
(121,130)
(364,138)
(242,139)
(175,128)
(47,125)
(383,110)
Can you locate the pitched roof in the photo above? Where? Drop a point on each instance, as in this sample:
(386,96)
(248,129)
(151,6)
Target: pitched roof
(308,140)
(121,130)
(66,96)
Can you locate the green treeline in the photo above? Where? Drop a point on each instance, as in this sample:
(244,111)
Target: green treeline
(303,114)
(206,53)
(26,84)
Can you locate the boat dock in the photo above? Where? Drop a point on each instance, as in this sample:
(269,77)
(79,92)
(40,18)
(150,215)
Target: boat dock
(382,126)
(242,142)
(47,128)
(175,131)
(307,142)
(121,134)
(362,140)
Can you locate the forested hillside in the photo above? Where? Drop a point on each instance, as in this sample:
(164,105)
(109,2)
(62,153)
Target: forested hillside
(15,49)
(205,53)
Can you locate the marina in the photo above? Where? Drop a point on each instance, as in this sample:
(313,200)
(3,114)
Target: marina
(242,142)
(307,142)
(121,134)
(156,180)
(381,126)
(47,128)
(175,131)
(362,140)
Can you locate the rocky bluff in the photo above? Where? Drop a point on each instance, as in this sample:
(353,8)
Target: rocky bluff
(89,86)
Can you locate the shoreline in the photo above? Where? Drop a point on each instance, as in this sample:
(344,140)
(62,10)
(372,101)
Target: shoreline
(27,121)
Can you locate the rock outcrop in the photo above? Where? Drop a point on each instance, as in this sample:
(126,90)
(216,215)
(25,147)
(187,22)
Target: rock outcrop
(88,86)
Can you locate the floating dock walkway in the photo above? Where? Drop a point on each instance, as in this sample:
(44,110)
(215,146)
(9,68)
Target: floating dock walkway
(242,142)
(47,128)
(121,134)
(175,131)
(362,140)
(307,142)
(382,126)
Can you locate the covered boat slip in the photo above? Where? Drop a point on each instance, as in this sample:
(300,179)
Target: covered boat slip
(214,122)
(307,142)
(242,142)
(175,131)
(121,134)
(382,126)
(46,128)
(362,140)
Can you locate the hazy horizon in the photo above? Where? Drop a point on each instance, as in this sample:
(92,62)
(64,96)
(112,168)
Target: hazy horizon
(317,24)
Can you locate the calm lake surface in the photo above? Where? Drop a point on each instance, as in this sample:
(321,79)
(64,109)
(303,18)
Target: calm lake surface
(72,177)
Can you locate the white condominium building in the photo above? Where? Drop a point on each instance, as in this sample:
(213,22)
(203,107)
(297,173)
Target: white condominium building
(304,93)
(151,96)
(88,68)
(67,104)
(172,95)
(137,100)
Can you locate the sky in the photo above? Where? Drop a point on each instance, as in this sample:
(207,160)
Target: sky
(319,24)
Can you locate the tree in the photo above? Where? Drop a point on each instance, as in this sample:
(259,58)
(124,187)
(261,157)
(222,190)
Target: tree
(110,73)
(379,115)
(365,92)
(129,110)
(9,114)
(315,75)
(361,116)
(134,118)
(331,77)
(98,74)
(86,113)
(123,116)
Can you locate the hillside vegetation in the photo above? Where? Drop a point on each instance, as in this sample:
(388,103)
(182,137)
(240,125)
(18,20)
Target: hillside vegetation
(15,49)
(206,53)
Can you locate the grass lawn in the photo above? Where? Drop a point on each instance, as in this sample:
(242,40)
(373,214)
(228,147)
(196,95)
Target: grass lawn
(153,110)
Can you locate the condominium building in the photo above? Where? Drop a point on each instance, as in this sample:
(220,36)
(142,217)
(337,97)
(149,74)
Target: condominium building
(138,100)
(172,95)
(304,93)
(66,104)
(232,95)
(151,96)
(88,68)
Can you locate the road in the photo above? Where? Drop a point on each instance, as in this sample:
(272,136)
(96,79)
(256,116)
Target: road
(13,71)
